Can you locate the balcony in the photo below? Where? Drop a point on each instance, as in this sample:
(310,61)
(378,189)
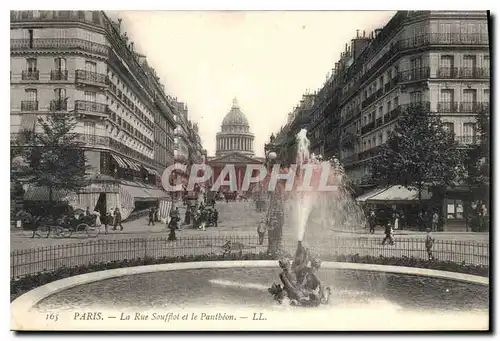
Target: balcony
(472,107)
(18,45)
(474,73)
(447,72)
(447,107)
(367,128)
(29,105)
(369,153)
(465,140)
(379,122)
(420,105)
(93,140)
(91,78)
(348,138)
(349,159)
(30,75)
(59,75)
(415,74)
(89,107)
(392,115)
(59,105)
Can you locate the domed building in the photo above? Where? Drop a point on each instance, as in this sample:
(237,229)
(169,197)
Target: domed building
(235,146)
(235,135)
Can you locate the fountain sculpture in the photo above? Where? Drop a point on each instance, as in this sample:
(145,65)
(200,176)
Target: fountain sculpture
(300,283)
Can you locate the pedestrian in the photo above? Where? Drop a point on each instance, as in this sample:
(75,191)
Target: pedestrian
(202,219)
(435,221)
(97,219)
(118,219)
(372,220)
(172,226)
(429,243)
(388,234)
(108,220)
(87,211)
(156,217)
(187,216)
(395,218)
(261,230)
(151,220)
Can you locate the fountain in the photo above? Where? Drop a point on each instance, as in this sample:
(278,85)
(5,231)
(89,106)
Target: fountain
(320,192)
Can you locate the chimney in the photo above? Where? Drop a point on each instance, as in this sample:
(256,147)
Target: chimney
(364,34)
(119,25)
(132,46)
(357,34)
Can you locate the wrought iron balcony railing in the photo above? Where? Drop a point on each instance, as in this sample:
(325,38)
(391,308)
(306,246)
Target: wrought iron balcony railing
(32,75)
(367,128)
(89,77)
(29,105)
(467,139)
(59,75)
(59,105)
(447,107)
(89,106)
(474,73)
(415,74)
(471,107)
(58,44)
(447,72)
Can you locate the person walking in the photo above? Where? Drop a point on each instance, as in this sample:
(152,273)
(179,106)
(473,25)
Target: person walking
(261,230)
(98,222)
(388,234)
(118,219)
(372,220)
(151,217)
(429,243)
(435,221)
(108,220)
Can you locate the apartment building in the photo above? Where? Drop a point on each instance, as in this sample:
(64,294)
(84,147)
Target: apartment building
(437,59)
(81,63)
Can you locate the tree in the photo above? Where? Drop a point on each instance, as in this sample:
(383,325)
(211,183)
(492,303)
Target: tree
(54,158)
(419,153)
(477,161)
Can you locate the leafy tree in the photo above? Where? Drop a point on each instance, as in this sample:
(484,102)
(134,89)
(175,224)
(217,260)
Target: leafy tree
(420,153)
(53,158)
(478,158)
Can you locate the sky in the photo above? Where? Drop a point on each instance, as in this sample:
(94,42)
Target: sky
(267,60)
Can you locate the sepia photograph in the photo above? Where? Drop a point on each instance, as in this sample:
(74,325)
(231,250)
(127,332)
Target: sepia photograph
(229,170)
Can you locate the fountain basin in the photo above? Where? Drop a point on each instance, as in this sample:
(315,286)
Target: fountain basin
(365,297)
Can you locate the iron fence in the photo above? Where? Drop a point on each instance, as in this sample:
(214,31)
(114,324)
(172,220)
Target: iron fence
(31,261)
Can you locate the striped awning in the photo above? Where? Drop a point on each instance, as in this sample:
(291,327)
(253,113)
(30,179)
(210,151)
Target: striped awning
(150,170)
(120,161)
(132,164)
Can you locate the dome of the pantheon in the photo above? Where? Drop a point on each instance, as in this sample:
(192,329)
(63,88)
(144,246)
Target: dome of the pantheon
(235,135)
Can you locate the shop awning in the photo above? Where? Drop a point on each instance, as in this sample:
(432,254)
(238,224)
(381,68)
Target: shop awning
(120,161)
(132,164)
(150,170)
(397,194)
(363,197)
(145,194)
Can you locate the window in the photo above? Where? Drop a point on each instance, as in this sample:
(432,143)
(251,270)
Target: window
(60,64)
(449,126)
(31,95)
(469,62)
(416,63)
(486,95)
(90,66)
(396,101)
(416,97)
(30,35)
(89,128)
(470,95)
(90,96)
(60,94)
(469,129)
(447,61)
(447,95)
(486,61)
(389,106)
(31,64)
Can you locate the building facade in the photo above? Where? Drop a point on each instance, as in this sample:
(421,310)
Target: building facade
(83,64)
(234,145)
(438,59)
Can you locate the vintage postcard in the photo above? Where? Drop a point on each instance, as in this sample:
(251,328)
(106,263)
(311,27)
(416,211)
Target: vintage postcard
(250,170)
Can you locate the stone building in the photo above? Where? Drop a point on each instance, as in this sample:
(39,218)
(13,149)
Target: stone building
(84,64)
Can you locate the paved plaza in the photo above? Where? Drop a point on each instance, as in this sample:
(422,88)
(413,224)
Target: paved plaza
(235,219)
